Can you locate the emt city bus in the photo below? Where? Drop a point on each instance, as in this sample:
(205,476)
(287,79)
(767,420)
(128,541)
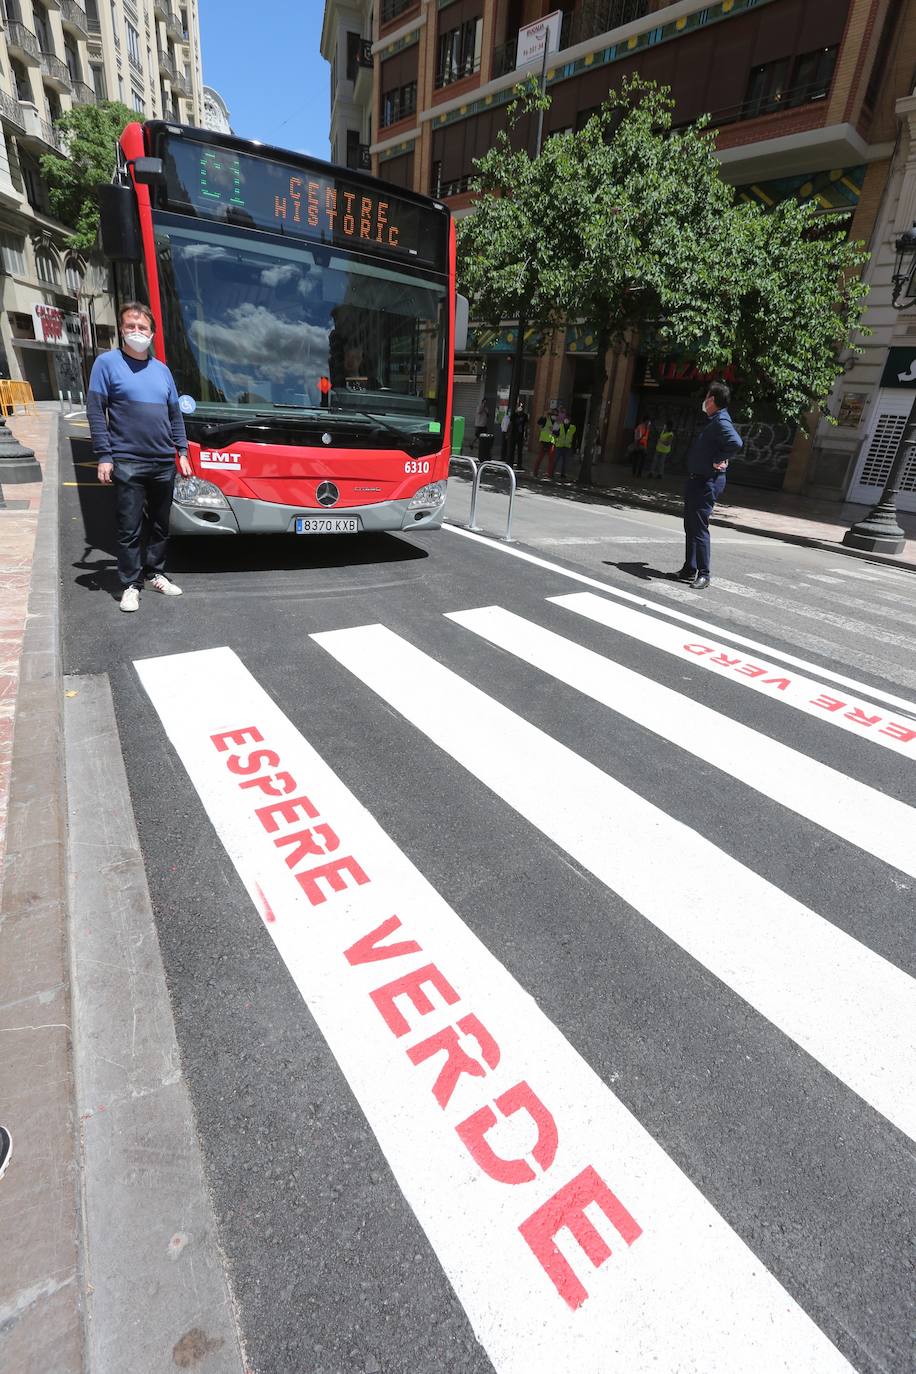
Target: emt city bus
(307,313)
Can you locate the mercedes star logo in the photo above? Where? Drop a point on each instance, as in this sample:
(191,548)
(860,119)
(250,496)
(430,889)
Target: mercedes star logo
(326,438)
(327,494)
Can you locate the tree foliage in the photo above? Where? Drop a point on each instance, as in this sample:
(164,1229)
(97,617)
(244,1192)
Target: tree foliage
(628,227)
(90,134)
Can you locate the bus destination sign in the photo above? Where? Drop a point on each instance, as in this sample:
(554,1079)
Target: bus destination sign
(259,193)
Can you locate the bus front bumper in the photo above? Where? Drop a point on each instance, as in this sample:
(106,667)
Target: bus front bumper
(243,516)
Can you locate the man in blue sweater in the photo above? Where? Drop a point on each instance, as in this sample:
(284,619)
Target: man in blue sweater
(137,430)
(707,464)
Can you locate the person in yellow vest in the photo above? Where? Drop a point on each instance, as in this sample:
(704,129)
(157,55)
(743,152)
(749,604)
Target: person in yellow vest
(662,449)
(548,426)
(566,435)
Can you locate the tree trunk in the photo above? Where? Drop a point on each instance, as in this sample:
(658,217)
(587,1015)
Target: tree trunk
(593,431)
(518,364)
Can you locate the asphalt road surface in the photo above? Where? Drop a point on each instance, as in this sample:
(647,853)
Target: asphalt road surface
(539,936)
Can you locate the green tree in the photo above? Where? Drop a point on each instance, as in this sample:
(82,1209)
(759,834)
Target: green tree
(504,260)
(639,236)
(90,134)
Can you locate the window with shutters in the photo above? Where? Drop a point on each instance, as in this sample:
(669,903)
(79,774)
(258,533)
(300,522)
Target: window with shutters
(882,451)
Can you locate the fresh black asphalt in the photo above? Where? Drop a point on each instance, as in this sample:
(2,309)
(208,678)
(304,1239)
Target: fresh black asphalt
(330,1268)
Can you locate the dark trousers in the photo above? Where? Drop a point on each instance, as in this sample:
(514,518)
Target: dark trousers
(638,456)
(142,486)
(517,450)
(700,496)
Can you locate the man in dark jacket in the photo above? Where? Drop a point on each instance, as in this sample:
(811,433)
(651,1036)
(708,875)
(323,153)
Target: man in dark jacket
(707,463)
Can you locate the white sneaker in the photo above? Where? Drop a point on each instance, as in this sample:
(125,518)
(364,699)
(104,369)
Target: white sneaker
(160,583)
(130,599)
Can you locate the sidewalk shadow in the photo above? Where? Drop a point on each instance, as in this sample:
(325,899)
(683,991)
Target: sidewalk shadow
(640,570)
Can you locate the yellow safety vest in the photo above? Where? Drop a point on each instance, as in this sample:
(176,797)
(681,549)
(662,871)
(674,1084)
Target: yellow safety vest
(565,436)
(547,432)
(665,441)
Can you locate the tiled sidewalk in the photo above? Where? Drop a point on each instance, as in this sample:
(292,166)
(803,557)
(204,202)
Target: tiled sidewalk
(18,524)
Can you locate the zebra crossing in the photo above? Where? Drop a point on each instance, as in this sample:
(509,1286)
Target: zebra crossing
(574,1239)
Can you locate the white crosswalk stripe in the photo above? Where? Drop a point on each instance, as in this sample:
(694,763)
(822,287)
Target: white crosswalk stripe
(850,1009)
(803,693)
(574,1241)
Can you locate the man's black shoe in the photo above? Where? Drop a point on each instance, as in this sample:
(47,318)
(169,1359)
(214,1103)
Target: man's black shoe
(700,582)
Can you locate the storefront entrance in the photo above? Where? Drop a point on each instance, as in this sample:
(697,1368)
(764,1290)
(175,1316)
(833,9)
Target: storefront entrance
(879,448)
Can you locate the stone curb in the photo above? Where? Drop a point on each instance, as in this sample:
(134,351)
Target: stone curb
(40,1309)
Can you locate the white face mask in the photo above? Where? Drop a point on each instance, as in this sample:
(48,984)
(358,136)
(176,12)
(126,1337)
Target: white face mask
(704,410)
(137,341)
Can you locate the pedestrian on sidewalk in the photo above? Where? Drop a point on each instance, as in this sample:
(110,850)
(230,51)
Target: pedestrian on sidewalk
(566,435)
(137,431)
(640,446)
(518,434)
(548,428)
(6,1149)
(662,450)
(481,420)
(707,464)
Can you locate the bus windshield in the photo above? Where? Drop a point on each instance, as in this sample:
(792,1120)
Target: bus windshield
(255,325)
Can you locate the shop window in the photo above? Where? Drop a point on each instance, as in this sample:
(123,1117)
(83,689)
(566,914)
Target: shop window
(459,52)
(399,103)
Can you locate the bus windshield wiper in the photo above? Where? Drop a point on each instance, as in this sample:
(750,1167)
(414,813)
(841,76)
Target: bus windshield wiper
(381,426)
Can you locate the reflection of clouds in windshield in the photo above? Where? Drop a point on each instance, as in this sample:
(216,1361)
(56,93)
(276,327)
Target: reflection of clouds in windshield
(280,274)
(203,252)
(262,342)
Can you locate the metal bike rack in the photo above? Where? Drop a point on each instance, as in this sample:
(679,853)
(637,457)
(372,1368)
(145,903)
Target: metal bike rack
(472,464)
(472,518)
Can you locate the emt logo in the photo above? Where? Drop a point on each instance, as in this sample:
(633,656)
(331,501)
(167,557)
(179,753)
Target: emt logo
(212,458)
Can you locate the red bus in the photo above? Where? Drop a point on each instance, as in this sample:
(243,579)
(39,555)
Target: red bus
(307,313)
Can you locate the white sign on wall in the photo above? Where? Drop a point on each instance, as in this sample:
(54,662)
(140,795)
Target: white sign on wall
(533,37)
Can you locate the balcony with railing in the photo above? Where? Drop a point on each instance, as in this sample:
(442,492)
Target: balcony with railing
(83,94)
(55,72)
(11,112)
(38,133)
(592,18)
(22,43)
(175,27)
(181,82)
(74,17)
(166,65)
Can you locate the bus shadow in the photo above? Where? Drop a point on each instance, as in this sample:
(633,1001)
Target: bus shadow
(219,553)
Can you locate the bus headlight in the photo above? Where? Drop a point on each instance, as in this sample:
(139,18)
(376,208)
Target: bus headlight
(431,496)
(194,491)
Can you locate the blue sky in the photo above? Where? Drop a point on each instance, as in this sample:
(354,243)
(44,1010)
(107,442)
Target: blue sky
(263,58)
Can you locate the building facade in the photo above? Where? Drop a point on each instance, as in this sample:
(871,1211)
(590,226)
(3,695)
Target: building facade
(804,94)
(55,308)
(346,44)
(216,113)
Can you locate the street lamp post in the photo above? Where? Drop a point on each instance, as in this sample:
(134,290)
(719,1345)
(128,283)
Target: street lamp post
(879,532)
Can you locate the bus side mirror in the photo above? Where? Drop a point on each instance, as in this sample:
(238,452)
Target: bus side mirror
(462,316)
(147,170)
(119,224)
